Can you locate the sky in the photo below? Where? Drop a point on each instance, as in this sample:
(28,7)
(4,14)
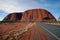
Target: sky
(10,6)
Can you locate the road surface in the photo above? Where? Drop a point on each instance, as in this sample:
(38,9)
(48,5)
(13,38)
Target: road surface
(34,33)
(53,31)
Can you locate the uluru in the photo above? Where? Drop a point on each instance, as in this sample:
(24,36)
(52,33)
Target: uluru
(31,15)
(29,26)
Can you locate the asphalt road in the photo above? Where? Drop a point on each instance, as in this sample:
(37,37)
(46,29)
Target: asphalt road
(52,31)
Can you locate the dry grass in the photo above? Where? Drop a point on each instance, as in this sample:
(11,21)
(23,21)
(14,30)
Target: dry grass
(13,31)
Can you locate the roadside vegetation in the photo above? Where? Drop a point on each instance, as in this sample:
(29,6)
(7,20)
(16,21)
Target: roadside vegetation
(18,21)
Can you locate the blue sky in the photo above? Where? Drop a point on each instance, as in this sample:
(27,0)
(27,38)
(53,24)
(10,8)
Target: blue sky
(10,6)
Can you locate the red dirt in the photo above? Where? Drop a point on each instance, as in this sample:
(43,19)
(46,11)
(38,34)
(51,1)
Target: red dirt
(12,26)
(35,33)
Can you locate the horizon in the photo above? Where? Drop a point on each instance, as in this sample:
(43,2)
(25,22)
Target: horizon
(10,6)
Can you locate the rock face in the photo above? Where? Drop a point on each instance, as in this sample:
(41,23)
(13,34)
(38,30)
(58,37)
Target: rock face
(13,17)
(37,15)
(31,15)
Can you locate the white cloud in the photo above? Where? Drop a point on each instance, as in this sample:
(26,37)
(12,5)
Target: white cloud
(9,5)
(1,19)
(9,8)
(20,5)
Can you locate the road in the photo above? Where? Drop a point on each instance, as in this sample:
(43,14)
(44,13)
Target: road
(35,31)
(53,31)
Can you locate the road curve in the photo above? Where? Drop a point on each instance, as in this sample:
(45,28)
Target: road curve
(53,31)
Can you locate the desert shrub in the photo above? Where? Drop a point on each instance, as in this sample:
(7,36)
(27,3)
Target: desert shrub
(7,21)
(32,21)
(58,21)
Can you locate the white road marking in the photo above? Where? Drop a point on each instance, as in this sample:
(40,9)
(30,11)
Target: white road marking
(51,33)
